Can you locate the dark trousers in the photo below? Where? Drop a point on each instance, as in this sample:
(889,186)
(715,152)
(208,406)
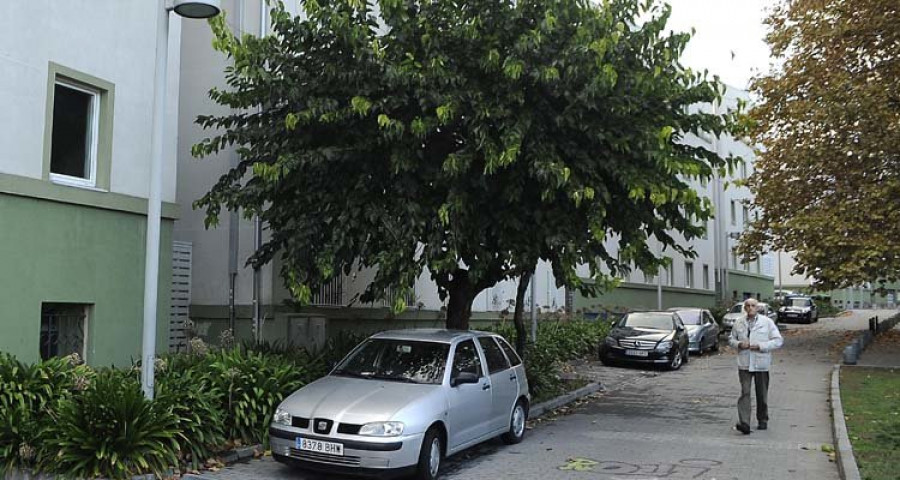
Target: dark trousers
(761,381)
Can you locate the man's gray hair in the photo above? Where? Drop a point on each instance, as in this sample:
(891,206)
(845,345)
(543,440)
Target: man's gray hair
(751,301)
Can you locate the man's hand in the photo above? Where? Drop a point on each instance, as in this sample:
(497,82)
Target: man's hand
(754,347)
(743,345)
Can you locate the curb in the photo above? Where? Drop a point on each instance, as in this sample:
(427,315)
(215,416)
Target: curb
(240,454)
(564,399)
(843,449)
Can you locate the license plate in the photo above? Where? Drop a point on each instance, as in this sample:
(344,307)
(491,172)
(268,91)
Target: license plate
(318,446)
(636,353)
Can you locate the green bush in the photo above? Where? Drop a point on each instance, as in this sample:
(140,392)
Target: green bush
(252,385)
(110,430)
(557,342)
(196,404)
(29,395)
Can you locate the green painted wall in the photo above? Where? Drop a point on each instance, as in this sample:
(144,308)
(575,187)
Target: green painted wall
(746,283)
(58,252)
(639,296)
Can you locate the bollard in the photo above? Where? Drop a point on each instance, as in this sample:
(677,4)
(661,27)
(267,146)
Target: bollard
(868,337)
(849,355)
(872,324)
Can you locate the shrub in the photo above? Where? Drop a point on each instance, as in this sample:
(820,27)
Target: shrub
(195,403)
(252,385)
(110,430)
(29,395)
(557,342)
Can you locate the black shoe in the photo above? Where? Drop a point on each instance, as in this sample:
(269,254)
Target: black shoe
(743,428)
(762,426)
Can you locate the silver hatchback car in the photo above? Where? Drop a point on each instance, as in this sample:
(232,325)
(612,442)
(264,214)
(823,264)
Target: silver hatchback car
(403,400)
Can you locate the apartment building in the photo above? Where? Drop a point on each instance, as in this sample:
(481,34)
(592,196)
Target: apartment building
(77,89)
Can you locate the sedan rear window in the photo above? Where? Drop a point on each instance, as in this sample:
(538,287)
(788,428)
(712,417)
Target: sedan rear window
(656,321)
(407,361)
(690,317)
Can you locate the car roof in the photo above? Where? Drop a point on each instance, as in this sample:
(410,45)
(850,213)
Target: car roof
(429,334)
(682,309)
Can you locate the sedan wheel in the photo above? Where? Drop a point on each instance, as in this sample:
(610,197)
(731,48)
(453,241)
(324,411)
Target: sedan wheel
(430,456)
(516,425)
(675,364)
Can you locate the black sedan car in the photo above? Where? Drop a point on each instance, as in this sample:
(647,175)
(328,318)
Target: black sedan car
(647,338)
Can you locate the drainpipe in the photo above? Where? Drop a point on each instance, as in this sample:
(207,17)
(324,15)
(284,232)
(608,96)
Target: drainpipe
(234,218)
(257,222)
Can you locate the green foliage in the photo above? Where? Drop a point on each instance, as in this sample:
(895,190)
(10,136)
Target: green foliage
(29,395)
(252,385)
(195,403)
(110,430)
(827,183)
(557,341)
(434,134)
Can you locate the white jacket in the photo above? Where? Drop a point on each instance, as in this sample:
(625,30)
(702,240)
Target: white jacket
(765,334)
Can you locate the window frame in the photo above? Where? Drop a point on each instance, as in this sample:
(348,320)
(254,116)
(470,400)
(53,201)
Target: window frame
(101,124)
(688,274)
(93,133)
(491,368)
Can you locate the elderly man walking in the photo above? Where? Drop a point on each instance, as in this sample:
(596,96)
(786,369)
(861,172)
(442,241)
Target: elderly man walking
(755,337)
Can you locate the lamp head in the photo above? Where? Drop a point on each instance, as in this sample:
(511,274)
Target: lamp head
(197,8)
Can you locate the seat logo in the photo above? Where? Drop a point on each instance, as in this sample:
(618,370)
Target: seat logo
(323,425)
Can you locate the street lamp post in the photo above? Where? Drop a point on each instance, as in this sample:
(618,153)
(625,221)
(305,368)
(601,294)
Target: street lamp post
(188,9)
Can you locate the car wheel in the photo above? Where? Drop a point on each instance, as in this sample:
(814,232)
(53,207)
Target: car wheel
(676,361)
(715,345)
(516,425)
(430,456)
(687,355)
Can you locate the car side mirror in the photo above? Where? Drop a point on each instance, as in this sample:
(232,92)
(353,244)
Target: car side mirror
(680,328)
(463,377)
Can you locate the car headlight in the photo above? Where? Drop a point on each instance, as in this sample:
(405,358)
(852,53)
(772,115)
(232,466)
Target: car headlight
(382,429)
(664,346)
(612,342)
(282,417)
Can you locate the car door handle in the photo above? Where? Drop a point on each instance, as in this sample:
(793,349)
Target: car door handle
(512,378)
(486,386)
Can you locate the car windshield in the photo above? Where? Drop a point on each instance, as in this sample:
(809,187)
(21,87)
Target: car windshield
(798,302)
(737,308)
(408,361)
(690,317)
(656,321)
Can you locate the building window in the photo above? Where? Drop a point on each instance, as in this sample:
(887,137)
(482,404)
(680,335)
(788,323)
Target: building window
(743,170)
(689,274)
(733,212)
(78,129)
(63,329)
(706,277)
(649,278)
(670,277)
(734,259)
(73,146)
(746,215)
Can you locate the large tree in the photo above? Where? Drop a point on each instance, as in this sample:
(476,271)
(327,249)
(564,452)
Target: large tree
(828,180)
(465,138)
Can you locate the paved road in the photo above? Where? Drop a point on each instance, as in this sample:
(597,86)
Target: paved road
(667,425)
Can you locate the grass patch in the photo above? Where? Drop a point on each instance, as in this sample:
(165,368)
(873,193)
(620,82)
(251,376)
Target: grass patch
(871,401)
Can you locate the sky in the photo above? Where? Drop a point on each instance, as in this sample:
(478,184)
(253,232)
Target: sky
(728,39)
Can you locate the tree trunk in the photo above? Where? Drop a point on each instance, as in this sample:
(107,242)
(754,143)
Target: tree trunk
(518,321)
(459,307)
